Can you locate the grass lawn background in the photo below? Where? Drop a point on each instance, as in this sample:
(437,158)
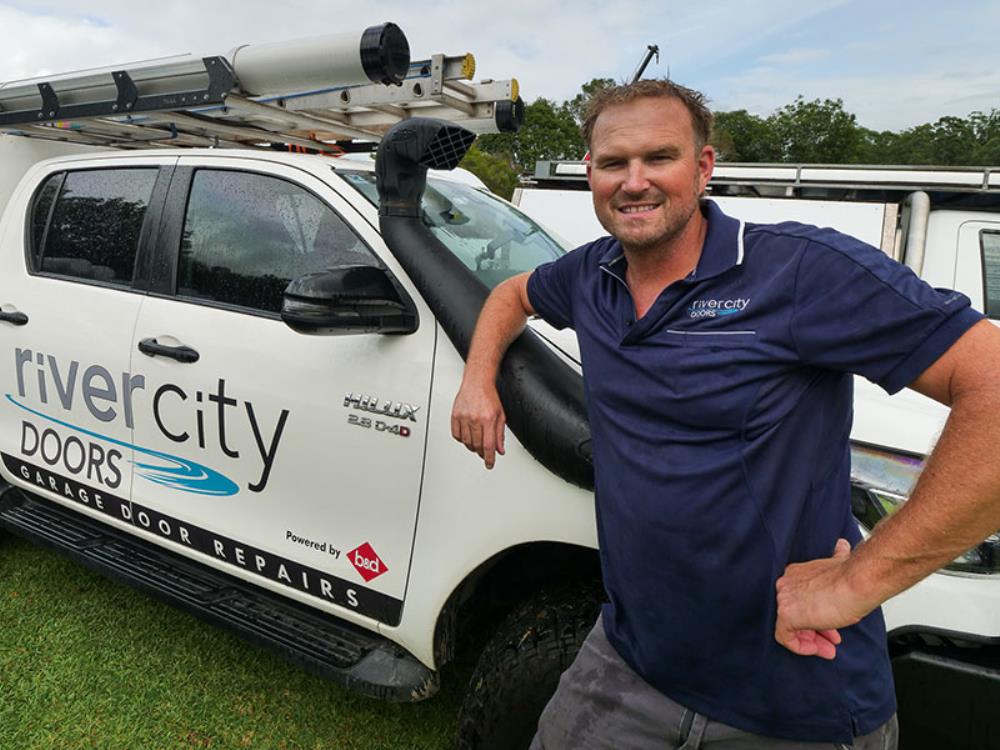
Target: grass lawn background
(87,663)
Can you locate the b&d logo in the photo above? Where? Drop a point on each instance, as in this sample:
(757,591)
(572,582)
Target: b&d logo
(367,562)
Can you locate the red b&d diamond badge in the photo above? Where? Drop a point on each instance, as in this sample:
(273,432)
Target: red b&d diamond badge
(367,562)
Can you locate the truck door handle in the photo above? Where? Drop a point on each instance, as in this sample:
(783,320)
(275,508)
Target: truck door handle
(184,354)
(17,318)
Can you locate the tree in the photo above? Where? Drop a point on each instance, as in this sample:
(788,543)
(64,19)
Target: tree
(741,136)
(816,132)
(987,131)
(577,106)
(492,169)
(549,132)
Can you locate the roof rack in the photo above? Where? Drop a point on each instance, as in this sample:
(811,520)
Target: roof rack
(308,94)
(961,179)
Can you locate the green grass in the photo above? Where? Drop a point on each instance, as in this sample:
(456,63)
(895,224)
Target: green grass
(87,663)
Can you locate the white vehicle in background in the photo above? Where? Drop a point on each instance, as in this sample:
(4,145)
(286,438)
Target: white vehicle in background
(944,223)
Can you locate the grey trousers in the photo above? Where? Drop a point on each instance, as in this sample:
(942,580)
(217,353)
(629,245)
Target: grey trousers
(602,704)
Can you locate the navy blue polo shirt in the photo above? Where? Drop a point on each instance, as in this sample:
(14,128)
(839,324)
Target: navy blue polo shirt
(720,425)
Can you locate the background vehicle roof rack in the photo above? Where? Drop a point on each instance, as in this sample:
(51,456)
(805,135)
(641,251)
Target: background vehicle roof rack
(309,94)
(791,176)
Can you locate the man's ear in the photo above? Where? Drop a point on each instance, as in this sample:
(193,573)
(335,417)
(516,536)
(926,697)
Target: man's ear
(706,165)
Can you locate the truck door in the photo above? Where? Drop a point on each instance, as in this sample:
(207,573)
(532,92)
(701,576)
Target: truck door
(298,457)
(977,269)
(70,297)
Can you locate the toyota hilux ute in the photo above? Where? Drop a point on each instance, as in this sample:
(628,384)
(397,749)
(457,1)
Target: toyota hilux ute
(229,372)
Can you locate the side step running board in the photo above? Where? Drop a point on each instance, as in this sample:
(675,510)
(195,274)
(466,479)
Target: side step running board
(339,651)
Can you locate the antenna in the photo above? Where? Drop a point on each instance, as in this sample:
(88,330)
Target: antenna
(651,51)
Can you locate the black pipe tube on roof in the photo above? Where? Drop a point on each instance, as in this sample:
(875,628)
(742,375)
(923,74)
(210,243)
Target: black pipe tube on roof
(542,396)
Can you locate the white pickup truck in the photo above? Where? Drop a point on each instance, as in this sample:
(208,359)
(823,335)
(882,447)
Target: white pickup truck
(224,383)
(176,414)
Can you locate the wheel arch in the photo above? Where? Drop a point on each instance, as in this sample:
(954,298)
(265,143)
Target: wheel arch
(494,588)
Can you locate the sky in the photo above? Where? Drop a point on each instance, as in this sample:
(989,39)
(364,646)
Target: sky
(894,64)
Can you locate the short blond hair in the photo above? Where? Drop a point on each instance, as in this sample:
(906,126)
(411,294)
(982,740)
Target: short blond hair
(651,88)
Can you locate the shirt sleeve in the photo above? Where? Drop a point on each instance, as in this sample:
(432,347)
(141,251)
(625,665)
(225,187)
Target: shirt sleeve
(859,311)
(552,285)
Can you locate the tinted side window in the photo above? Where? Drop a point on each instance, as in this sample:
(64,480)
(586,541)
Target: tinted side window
(96,223)
(247,235)
(990,243)
(40,214)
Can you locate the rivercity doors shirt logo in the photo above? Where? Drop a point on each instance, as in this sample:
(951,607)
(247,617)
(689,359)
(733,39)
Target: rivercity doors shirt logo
(714,308)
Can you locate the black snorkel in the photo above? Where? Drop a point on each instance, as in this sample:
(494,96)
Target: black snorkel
(542,396)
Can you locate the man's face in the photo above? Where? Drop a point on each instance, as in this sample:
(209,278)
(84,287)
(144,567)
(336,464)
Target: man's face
(645,174)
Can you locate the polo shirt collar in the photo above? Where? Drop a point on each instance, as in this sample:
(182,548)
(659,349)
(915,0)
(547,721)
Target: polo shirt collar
(723,248)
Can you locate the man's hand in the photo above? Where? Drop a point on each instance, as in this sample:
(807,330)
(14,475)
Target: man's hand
(477,421)
(813,601)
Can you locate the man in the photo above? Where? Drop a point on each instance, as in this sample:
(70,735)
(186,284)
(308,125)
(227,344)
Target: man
(717,362)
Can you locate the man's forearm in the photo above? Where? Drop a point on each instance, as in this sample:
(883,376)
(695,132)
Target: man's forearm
(501,320)
(477,417)
(955,504)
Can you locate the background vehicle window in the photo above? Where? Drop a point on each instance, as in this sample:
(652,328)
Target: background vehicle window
(40,213)
(990,243)
(492,238)
(247,235)
(96,223)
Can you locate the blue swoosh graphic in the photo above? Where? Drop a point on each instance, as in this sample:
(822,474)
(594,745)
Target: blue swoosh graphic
(731,311)
(184,475)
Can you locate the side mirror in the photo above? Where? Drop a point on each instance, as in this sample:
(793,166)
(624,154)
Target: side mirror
(347,299)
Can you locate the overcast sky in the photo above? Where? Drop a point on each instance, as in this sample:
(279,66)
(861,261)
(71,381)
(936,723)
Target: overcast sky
(894,64)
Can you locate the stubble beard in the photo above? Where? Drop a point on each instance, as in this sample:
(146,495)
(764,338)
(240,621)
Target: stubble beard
(675,223)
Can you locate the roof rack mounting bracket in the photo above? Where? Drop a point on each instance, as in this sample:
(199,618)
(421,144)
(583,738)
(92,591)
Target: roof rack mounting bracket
(127,91)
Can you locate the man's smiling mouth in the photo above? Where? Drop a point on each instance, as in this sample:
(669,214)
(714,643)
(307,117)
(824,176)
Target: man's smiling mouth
(637,209)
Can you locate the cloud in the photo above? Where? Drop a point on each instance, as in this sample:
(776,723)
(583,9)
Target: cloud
(552,46)
(752,55)
(795,56)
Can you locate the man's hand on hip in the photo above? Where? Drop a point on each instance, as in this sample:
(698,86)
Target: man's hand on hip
(478,420)
(814,599)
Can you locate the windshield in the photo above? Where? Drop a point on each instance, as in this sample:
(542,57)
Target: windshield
(492,238)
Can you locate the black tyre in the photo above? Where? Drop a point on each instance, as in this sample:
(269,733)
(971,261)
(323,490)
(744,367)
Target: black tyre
(519,668)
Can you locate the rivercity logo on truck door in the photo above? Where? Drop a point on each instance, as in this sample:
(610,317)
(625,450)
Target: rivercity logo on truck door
(60,443)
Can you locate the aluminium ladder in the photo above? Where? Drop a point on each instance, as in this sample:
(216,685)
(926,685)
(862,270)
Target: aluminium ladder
(191,101)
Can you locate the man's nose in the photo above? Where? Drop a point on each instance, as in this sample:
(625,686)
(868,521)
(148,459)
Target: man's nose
(636,178)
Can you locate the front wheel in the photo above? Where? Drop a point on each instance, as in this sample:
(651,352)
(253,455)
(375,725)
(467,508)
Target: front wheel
(519,668)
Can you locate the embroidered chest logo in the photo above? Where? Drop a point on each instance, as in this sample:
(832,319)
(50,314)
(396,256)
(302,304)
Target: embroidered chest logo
(714,308)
